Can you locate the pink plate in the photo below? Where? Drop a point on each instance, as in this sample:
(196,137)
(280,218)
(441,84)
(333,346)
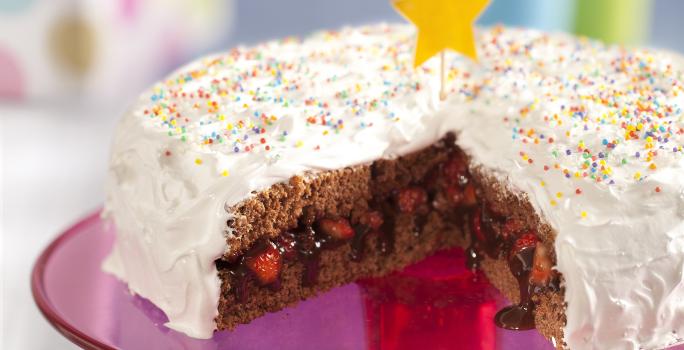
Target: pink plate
(435,304)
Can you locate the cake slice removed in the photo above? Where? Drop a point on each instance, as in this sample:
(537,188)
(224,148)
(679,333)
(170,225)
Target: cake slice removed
(250,180)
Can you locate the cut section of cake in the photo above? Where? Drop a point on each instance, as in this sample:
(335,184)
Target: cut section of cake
(250,180)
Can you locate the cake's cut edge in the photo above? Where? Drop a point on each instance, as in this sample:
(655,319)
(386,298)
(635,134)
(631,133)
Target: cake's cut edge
(352,192)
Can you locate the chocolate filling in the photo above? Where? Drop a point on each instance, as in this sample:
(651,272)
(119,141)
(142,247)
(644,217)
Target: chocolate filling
(446,189)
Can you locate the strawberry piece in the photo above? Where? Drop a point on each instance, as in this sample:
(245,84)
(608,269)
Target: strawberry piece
(410,199)
(373,219)
(266,264)
(455,169)
(455,194)
(477,225)
(469,196)
(542,272)
(527,240)
(511,227)
(336,228)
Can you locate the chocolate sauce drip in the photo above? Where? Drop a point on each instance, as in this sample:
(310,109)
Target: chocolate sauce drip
(309,253)
(287,245)
(240,277)
(459,218)
(519,316)
(358,243)
(473,257)
(450,140)
(487,237)
(419,224)
(386,238)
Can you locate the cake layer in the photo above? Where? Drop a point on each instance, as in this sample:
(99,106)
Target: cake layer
(350,194)
(589,135)
(449,208)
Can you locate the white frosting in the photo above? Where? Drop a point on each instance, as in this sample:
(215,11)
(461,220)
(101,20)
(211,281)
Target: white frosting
(347,98)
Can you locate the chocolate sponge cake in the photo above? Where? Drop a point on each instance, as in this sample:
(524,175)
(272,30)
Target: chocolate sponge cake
(253,179)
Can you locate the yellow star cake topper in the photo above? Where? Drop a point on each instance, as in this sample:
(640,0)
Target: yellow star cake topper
(442,24)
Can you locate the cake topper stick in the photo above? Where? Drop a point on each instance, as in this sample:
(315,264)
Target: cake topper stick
(442,76)
(442,24)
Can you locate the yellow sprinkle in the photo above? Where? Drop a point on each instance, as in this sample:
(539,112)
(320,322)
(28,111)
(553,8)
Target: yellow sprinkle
(543,183)
(637,176)
(559,194)
(583,214)
(225,173)
(299,143)
(325,132)
(652,166)
(553,203)
(222,117)
(198,161)
(229,126)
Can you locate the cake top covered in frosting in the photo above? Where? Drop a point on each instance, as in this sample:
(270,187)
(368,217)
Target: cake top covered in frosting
(606,115)
(591,134)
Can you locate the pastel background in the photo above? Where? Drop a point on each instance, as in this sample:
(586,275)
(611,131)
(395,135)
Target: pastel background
(70,68)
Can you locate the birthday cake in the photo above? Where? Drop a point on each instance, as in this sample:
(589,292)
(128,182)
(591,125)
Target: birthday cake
(252,179)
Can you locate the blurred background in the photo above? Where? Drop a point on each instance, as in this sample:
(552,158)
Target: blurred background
(70,68)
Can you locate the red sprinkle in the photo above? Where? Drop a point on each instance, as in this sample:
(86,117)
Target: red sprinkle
(578,191)
(657,189)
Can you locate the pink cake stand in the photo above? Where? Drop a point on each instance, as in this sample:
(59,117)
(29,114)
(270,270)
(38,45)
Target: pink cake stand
(435,304)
